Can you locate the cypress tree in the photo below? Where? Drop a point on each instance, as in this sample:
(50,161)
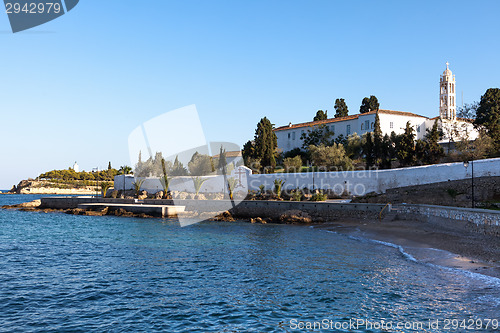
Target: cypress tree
(406,148)
(265,143)
(341,109)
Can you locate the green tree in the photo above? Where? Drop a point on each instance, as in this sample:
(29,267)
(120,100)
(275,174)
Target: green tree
(429,151)
(109,165)
(488,115)
(292,164)
(353,146)
(341,109)
(480,148)
(178,168)
(369,104)
(468,111)
(200,164)
(369,150)
(318,135)
(125,169)
(321,115)
(406,148)
(377,141)
(333,158)
(265,142)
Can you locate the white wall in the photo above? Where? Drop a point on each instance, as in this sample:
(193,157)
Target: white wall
(363,182)
(357,125)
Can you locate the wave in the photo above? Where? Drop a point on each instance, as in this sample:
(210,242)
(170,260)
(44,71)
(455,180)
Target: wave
(489,280)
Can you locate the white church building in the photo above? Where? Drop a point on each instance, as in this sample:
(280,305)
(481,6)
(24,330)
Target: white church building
(454,129)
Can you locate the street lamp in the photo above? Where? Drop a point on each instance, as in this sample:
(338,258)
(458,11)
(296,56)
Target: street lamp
(97,188)
(466,165)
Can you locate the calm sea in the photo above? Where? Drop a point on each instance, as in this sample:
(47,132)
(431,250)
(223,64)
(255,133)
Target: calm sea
(64,273)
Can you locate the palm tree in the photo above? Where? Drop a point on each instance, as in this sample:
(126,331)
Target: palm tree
(125,169)
(105,186)
(198,182)
(137,186)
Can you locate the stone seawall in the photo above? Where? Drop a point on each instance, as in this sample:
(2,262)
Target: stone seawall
(246,209)
(480,219)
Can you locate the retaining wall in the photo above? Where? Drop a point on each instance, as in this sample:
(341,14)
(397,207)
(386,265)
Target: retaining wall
(362,182)
(482,219)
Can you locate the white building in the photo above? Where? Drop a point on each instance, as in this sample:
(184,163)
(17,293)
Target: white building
(454,128)
(76,167)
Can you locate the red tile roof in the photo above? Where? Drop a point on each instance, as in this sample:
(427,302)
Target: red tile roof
(355,116)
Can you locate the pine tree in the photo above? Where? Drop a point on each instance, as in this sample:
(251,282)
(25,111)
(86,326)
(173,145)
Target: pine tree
(321,115)
(341,109)
(365,105)
(369,104)
(488,115)
(374,105)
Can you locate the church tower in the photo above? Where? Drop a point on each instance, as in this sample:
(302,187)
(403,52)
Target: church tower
(447,102)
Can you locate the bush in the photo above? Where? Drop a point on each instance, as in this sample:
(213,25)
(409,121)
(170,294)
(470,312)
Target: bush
(319,196)
(332,158)
(292,164)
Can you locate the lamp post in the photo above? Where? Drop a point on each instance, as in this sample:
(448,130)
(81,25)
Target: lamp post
(466,165)
(97,188)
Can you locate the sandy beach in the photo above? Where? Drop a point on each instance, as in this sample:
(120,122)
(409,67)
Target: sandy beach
(442,245)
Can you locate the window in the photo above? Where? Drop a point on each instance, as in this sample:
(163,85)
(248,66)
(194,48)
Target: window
(288,135)
(348,129)
(293,135)
(372,126)
(418,129)
(367,123)
(362,126)
(333,128)
(391,124)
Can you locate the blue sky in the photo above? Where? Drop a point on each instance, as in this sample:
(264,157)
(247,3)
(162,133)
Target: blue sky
(74,88)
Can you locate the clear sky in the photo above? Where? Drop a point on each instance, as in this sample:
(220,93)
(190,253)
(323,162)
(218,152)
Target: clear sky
(73,89)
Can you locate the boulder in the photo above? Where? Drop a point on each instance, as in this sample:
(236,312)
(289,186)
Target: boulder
(159,195)
(143,195)
(32,204)
(295,216)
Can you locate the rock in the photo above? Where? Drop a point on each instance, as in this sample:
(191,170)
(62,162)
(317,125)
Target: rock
(159,195)
(75,211)
(225,216)
(122,212)
(114,194)
(143,195)
(200,196)
(295,216)
(32,204)
(129,198)
(257,220)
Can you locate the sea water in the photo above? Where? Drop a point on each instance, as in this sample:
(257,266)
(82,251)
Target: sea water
(70,273)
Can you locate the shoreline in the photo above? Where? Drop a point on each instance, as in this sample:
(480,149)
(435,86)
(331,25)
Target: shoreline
(427,243)
(453,245)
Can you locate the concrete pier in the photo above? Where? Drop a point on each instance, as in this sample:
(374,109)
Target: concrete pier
(154,210)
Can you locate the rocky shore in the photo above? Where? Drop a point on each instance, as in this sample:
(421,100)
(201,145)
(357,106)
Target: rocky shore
(31,186)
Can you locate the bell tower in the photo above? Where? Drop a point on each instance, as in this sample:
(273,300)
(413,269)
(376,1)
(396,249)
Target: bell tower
(447,102)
